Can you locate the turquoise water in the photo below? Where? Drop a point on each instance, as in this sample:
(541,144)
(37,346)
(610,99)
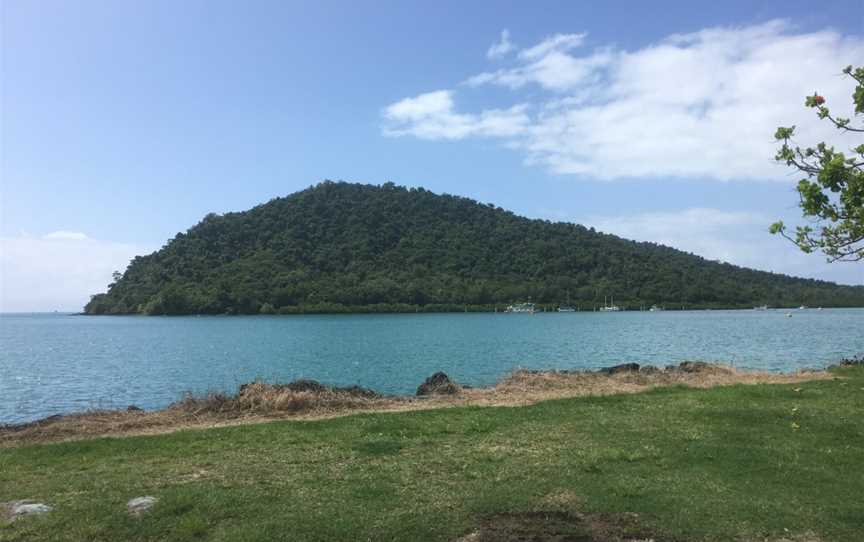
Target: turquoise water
(52,363)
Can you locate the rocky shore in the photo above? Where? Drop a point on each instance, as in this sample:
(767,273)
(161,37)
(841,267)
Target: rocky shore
(309,399)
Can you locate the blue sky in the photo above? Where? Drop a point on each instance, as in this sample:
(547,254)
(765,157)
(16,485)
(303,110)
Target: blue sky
(123,123)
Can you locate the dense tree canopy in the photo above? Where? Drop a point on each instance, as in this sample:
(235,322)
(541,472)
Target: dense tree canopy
(346,247)
(832,194)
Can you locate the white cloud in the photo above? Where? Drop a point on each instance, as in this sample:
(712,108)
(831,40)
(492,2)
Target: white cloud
(502,47)
(703,231)
(559,43)
(739,238)
(70,235)
(58,271)
(555,71)
(703,104)
(431,116)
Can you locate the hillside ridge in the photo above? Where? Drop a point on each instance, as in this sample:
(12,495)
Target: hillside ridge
(344,247)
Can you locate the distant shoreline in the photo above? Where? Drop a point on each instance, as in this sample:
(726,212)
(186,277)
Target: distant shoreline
(453,309)
(373,309)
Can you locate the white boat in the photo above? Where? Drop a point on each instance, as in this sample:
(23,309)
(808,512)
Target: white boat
(761,308)
(522,308)
(802,307)
(568,307)
(611,307)
(655,308)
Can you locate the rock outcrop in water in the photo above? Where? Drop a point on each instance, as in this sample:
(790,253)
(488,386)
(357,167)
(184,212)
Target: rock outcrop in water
(438,384)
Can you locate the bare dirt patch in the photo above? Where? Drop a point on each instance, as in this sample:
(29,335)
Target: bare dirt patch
(558,526)
(805,537)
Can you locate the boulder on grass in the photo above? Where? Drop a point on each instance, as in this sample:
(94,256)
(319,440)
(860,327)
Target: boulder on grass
(18,509)
(139,506)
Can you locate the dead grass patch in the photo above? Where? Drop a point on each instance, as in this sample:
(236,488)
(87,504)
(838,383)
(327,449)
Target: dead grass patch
(526,386)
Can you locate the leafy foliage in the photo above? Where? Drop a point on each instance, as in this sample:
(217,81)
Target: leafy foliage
(339,247)
(832,194)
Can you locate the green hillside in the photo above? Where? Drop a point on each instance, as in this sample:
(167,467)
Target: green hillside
(350,247)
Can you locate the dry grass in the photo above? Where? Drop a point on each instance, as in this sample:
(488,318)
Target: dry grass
(262,398)
(525,387)
(258,401)
(255,402)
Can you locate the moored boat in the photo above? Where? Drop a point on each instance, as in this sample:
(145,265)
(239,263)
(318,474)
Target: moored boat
(523,308)
(611,307)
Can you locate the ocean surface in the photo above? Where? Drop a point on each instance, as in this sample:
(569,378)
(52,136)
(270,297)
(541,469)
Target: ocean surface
(58,363)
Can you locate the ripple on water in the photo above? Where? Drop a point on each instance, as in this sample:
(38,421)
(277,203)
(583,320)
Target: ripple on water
(61,363)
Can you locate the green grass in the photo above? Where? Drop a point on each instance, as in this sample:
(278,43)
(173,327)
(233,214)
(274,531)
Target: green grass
(719,464)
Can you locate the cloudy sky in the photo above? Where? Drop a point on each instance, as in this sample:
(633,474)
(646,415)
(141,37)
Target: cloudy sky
(122,123)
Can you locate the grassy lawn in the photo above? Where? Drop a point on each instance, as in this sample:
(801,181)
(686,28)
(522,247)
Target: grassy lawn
(734,463)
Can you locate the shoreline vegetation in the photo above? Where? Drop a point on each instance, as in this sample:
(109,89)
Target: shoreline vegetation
(405,308)
(695,452)
(259,401)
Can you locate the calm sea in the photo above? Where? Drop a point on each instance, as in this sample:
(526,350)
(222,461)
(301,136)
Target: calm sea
(55,363)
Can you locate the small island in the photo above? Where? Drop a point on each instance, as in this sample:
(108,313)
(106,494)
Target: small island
(342,247)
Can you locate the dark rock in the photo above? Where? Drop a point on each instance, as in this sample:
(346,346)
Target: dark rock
(693,366)
(648,370)
(671,369)
(623,368)
(852,362)
(438,384)
(133,408)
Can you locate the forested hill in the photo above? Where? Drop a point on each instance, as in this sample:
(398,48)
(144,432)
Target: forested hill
(349,247)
